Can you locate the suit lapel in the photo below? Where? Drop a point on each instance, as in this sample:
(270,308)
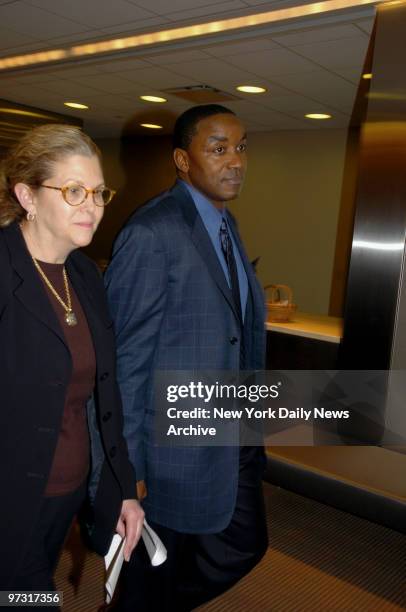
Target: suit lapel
(203,243)
(254,290)
(28,288)
(97,317)
(81,289)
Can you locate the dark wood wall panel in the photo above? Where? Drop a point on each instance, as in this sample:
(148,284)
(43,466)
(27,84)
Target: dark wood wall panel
(16,119)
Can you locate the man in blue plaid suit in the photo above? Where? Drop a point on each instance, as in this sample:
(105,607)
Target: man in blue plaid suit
(179,303)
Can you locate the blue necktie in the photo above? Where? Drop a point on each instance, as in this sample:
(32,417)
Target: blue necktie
(228,252)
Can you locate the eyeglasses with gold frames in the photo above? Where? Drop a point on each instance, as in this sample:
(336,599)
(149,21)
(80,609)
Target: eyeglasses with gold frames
(75,194)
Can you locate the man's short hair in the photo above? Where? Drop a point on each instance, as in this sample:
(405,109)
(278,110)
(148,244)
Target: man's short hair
(186,123)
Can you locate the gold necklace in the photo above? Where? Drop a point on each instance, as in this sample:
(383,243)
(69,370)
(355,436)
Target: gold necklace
(70,317)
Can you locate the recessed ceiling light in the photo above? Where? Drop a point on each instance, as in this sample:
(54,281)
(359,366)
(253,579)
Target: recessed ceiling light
(153,99)
(151,126)
(251,89)
(76,105)
(367,75)
(318,116)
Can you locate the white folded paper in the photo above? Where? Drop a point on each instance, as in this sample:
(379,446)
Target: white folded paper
(113,561)
(154,545)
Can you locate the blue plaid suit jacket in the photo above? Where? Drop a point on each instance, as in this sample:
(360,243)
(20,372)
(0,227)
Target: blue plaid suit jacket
(173,310)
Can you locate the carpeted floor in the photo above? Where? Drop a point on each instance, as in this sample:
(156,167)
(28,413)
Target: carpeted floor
(319,559)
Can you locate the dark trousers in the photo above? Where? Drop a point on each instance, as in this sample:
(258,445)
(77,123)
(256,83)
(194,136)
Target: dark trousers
(47,538)
(200,567)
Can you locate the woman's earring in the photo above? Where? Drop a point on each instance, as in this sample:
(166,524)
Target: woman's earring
(30,216)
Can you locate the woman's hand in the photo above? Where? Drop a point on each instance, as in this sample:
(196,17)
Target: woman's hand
(129,525)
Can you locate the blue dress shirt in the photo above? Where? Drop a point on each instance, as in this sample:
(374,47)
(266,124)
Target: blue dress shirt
(212,218)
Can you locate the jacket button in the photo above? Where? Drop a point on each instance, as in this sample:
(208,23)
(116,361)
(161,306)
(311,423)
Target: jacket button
(113,451)
(233,340)
(104,376)
(106,416)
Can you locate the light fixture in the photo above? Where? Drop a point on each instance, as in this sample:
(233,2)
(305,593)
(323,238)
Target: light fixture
(318,116)
(76,105)
(119,45)
(18,111)
(151,126)
(30,59)
(153,99)
(367,75)
(252,89)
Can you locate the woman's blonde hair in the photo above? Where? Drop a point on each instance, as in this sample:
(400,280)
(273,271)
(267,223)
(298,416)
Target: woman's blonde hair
(31,161)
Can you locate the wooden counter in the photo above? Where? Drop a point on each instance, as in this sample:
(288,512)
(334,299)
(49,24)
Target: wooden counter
(317,327)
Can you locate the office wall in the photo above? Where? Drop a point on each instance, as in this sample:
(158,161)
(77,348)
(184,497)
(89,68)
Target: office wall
(287,212)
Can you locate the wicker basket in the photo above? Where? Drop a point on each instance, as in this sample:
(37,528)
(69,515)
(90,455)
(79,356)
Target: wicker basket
(279,304)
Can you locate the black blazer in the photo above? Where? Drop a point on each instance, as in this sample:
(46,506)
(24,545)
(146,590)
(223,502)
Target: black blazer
(35,369)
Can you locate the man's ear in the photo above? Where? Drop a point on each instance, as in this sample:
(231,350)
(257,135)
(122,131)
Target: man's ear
(24,195)
(181,159)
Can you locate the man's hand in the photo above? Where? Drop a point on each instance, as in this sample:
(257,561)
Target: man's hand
(129,525)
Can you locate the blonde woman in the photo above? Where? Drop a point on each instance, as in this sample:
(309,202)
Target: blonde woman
(56,352)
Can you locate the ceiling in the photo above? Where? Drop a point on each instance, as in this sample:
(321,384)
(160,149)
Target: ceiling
(307,67)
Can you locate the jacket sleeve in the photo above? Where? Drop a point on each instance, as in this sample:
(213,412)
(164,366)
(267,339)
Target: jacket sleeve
(136,283)
(106,397)
(5,277)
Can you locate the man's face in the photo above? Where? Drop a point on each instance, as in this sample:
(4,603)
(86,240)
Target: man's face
(216,160)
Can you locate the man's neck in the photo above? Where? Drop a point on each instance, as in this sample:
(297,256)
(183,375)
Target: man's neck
(220,205)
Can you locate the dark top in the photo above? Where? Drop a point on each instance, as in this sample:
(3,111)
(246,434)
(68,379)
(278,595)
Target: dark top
(70,464)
